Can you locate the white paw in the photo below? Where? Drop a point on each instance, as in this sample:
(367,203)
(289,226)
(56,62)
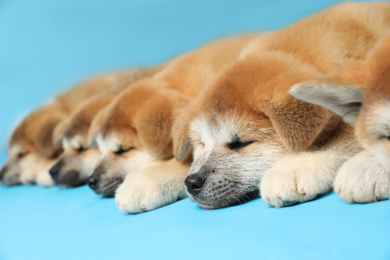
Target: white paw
(28,177)
(44,178)
(362,179)
(296,179)
(43,175)
(146,191)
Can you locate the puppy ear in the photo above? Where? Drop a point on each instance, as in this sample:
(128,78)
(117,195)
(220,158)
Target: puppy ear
(59,132)
(343,101)
(96,124)
(42,134)
(182,149)
(298,124)
(155,119)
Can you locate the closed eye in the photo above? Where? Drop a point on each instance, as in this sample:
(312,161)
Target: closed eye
(82,149)
(238,144)
(385,137)
(122,151)
(22,154)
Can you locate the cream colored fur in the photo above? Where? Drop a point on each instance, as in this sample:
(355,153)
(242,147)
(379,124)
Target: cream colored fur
(365,177)
(152,186)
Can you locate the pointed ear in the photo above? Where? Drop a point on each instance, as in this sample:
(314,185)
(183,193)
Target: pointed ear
(155,119)
(298,124)
(96,124)
(341,100)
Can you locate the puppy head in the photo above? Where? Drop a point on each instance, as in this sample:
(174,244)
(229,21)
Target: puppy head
(78,160)
(30,141)
(247,124)
(142,117)
(75,164)
(136,129)
(115,163)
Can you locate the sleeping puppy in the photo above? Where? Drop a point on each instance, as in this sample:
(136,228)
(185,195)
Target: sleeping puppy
(77,162)
(29,148)
(31,151)
(104,179)
(251,135)
(360,93)
(137,129)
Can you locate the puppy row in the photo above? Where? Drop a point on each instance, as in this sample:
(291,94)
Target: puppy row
(286,115)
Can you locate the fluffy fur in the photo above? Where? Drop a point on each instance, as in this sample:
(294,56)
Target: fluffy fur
(151,186)
(360,93)
(29,142)
(140,120)
(250,134)
(77,162)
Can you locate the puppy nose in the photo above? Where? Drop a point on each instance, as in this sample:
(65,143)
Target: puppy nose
(92,182)
(55,171)
(194,184)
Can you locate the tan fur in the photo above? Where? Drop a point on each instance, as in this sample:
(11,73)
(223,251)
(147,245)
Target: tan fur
(96,124)
(140,119)
(255,90)
(366,176)
(32,137)
(78,159)
(151,105)
(151,186)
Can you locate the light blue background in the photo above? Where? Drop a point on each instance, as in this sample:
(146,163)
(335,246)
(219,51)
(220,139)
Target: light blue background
(47,45)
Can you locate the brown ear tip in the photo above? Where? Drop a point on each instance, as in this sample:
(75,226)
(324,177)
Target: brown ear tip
(184,150)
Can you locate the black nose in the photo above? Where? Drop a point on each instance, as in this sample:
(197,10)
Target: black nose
(55,171)
(92,182)
(194,184)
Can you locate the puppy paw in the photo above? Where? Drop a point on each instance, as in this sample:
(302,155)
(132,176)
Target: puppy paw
(28,177)
(362,179)
(296,179)
(149,189)
(44,178)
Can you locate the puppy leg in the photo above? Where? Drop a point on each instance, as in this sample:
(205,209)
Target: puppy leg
(43,175)
(155,185)
(299,178)
(365,177)
(29,176)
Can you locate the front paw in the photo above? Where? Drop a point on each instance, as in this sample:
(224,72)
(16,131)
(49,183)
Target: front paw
(149,190)
(296,179)
(44,178)
(362,179)
(28,177)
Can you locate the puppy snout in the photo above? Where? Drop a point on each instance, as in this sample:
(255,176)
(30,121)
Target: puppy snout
(92,182)
(194,184)
(55,171)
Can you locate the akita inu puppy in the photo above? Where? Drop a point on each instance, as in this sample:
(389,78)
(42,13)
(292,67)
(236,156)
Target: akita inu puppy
(104,182)
(251,135)
(77,162)
(360,93)
(138,126)
(31,143)
(29,147)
